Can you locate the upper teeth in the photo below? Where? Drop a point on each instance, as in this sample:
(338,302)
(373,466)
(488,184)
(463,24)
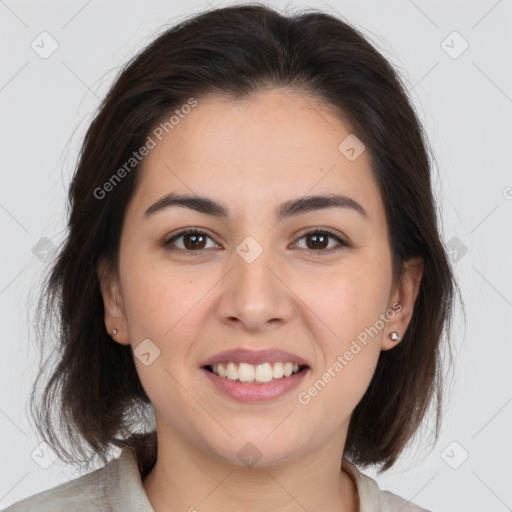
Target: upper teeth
(246,372)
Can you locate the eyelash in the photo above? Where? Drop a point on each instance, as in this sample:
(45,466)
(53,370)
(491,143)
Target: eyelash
(317,231)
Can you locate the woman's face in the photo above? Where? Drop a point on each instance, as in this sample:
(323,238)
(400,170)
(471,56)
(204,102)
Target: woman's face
(252,279)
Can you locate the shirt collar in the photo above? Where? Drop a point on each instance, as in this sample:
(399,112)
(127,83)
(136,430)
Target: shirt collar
(124,485)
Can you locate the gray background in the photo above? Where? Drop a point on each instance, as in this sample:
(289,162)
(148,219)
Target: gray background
(463,99)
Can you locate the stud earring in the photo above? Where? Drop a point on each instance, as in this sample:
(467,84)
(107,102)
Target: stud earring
(114,331)
(394,336)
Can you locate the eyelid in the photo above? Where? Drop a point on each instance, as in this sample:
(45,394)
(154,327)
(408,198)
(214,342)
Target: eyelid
(331,232)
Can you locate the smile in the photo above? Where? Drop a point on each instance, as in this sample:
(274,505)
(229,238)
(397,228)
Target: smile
(249,373)
(254,391)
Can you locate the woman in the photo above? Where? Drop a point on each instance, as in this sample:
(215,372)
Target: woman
(253,257)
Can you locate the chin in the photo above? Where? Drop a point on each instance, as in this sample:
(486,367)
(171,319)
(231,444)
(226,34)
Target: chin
(258,450)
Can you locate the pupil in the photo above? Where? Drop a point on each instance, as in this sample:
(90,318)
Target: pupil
(316,237)
(187,239)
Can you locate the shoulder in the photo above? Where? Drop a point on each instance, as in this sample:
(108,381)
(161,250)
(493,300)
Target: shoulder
(86,492)
(373,499)
(80,494)
(111,488)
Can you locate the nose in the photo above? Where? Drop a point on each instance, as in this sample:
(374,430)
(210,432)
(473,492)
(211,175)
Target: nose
(254,294)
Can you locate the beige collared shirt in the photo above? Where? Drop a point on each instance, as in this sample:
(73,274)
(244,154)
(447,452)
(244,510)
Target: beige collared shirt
(117,487)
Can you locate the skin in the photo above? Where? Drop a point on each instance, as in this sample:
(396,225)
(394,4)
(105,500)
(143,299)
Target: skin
(253,155)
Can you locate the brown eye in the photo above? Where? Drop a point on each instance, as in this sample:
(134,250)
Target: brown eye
(318,240)
(193,241)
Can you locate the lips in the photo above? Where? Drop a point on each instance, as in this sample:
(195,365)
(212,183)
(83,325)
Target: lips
(254,357)
(255,392)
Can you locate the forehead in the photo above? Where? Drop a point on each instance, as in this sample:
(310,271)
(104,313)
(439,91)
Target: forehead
(274,145)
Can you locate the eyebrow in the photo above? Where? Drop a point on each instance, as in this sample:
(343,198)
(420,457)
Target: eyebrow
(289,208)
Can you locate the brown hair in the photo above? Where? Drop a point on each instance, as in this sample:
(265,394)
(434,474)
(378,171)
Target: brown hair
(94,392)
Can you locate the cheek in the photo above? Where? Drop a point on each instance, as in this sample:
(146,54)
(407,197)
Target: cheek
(348,348)
(159,309)
(167,307)
(348,329)
(155,298)
(344,302)
(337,389)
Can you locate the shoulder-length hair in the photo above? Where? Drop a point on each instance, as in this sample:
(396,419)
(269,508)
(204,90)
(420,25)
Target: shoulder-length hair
(93,398)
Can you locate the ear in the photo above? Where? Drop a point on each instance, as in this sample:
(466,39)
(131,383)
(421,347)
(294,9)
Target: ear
(403,299)
(115,317)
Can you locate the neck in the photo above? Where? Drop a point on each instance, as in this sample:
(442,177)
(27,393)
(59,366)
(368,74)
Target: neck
(185,477)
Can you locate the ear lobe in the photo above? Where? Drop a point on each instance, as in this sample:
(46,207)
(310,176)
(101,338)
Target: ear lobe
(113,303)
(406,295)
